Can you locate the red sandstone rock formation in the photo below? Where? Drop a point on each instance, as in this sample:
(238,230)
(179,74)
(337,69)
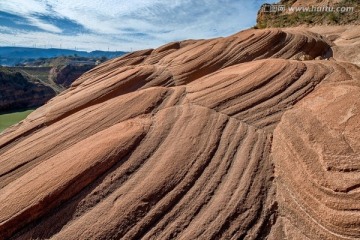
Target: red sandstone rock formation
(212,139)
(345,41)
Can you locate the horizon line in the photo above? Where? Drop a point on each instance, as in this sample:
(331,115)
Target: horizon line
(56,48)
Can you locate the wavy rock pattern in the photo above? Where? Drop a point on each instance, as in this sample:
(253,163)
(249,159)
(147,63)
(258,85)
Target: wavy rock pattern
(345,41)
(317,162)
(178,143)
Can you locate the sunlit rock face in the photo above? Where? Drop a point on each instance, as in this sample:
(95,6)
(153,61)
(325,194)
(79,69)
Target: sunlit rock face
(229,138)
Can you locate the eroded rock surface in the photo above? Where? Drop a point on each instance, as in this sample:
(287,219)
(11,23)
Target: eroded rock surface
(212,139)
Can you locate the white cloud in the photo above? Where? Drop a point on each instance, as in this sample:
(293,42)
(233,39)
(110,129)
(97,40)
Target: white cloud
(43,25)
(28,10)
(23,7)
(135,24)
(84,41)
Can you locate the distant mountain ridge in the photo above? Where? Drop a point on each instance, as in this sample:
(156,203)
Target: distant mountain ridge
(10,56)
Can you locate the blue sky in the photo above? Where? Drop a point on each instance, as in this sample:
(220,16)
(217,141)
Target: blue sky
(120,24)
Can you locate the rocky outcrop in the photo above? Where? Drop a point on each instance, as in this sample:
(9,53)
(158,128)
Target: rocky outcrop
(345,41)
(212,139)
(344,38)
(20,92)
(296,3)
(66,75)
(309,13)
(316,150)
(31,87)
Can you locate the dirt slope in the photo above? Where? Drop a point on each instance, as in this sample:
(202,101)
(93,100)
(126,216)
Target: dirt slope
(213,139)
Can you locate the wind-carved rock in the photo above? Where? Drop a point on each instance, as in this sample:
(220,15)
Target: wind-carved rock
(212,139)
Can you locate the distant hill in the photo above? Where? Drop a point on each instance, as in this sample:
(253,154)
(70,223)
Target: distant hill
(32,83)
(21,91)
(10,56)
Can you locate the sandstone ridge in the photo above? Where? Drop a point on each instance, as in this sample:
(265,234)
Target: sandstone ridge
(228,138)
